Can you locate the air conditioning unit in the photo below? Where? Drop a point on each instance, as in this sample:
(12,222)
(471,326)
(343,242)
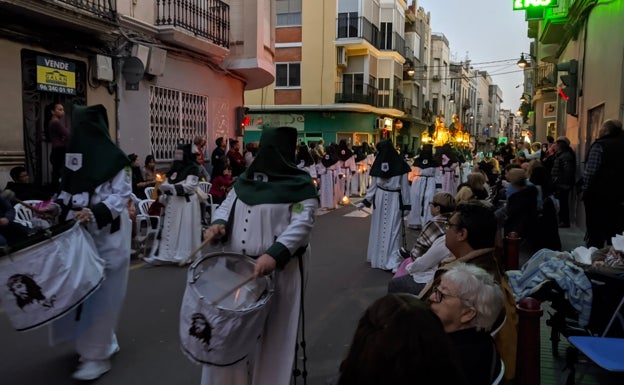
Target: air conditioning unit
(436,78)
(341,56)
(381,123)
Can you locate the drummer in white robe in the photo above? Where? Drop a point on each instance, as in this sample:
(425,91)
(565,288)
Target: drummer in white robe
(389,196)
(270,212)
(95,188)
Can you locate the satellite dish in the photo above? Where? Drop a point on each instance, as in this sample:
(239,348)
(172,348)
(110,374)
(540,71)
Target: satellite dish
(132,72)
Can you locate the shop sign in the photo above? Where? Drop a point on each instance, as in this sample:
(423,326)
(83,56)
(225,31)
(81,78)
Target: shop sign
(56,75)
(526,4)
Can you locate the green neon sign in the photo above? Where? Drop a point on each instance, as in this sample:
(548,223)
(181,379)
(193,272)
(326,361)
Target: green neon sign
(519,5)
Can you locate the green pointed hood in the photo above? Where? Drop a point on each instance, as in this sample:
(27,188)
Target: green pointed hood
(92,158)
(273,176)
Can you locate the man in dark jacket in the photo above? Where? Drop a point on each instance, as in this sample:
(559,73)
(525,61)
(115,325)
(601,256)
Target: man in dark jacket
(563,177)
(602,190)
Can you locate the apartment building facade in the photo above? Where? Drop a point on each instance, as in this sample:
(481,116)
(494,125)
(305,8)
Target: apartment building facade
(165,72)
(339,72)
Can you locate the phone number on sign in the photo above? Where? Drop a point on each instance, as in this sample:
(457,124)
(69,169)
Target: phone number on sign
(59,89)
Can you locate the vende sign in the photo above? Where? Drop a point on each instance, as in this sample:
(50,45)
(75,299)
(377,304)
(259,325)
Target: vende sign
(524,4)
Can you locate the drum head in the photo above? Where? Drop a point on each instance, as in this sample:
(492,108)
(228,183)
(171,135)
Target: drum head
(214,275)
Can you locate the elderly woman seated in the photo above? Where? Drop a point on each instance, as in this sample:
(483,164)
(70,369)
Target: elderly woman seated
(468,302)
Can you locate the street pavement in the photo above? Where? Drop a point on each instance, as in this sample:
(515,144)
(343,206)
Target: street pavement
(341,285)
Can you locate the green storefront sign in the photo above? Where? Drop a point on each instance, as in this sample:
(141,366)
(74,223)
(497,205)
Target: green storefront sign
(519,5)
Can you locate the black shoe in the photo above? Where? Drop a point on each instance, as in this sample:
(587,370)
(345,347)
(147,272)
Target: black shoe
(404,253)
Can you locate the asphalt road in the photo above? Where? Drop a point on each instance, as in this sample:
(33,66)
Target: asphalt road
(340,286)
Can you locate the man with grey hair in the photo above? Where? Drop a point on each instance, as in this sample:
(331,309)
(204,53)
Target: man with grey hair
(468,301)
(602,190)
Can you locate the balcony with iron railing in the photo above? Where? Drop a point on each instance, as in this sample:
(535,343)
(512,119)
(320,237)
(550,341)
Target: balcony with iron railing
(361,93)
(78,18)
(208,19)
(397,44)
(545,76)
(360,27)
(106,9)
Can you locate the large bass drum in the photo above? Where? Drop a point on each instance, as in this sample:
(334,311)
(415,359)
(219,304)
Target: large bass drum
(48,274)
(219,326)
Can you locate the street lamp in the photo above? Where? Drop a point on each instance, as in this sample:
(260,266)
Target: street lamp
(522,63)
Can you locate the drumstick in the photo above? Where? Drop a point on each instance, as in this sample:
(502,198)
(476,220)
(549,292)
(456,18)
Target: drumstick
(190,257)
(224,296)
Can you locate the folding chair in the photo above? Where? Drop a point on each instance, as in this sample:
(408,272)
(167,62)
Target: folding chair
(606,352)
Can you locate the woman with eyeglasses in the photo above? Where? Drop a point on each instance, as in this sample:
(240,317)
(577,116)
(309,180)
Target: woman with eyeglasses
(468,302)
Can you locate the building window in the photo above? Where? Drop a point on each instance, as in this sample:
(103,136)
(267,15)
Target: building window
(386,36)
(384,92)
(353,84)
(287,75)
(347,24)
(288,12)
(175,116)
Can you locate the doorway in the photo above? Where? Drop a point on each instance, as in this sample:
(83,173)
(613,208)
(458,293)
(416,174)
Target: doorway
(38,92)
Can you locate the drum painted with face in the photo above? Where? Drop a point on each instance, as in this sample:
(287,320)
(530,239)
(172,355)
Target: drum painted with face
(48,275)
(218,325)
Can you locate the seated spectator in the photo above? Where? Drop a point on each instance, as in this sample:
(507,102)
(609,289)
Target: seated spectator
(138,183)
(441,206)
(23,189)
(221,184)
(470,236)
(421,270)
(468,302)
(474,188)
(400,341)
(11,232)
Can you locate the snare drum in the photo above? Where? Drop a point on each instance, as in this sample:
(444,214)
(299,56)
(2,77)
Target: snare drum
(48,275)
(223,333)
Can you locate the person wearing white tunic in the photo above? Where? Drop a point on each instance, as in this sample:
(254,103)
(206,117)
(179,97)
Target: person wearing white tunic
(424,186)
(95,189)
(448,160)
(270,212)
(305,161)
(327,171)
(389,196)
(358,181)
(181,229)
(346,168)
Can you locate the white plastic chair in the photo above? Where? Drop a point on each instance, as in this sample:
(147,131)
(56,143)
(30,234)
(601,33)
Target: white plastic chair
(205,187)
(153,226)
(149,191)
(23,214)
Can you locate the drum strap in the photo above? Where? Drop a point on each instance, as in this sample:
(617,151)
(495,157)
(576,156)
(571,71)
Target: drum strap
(304,372)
